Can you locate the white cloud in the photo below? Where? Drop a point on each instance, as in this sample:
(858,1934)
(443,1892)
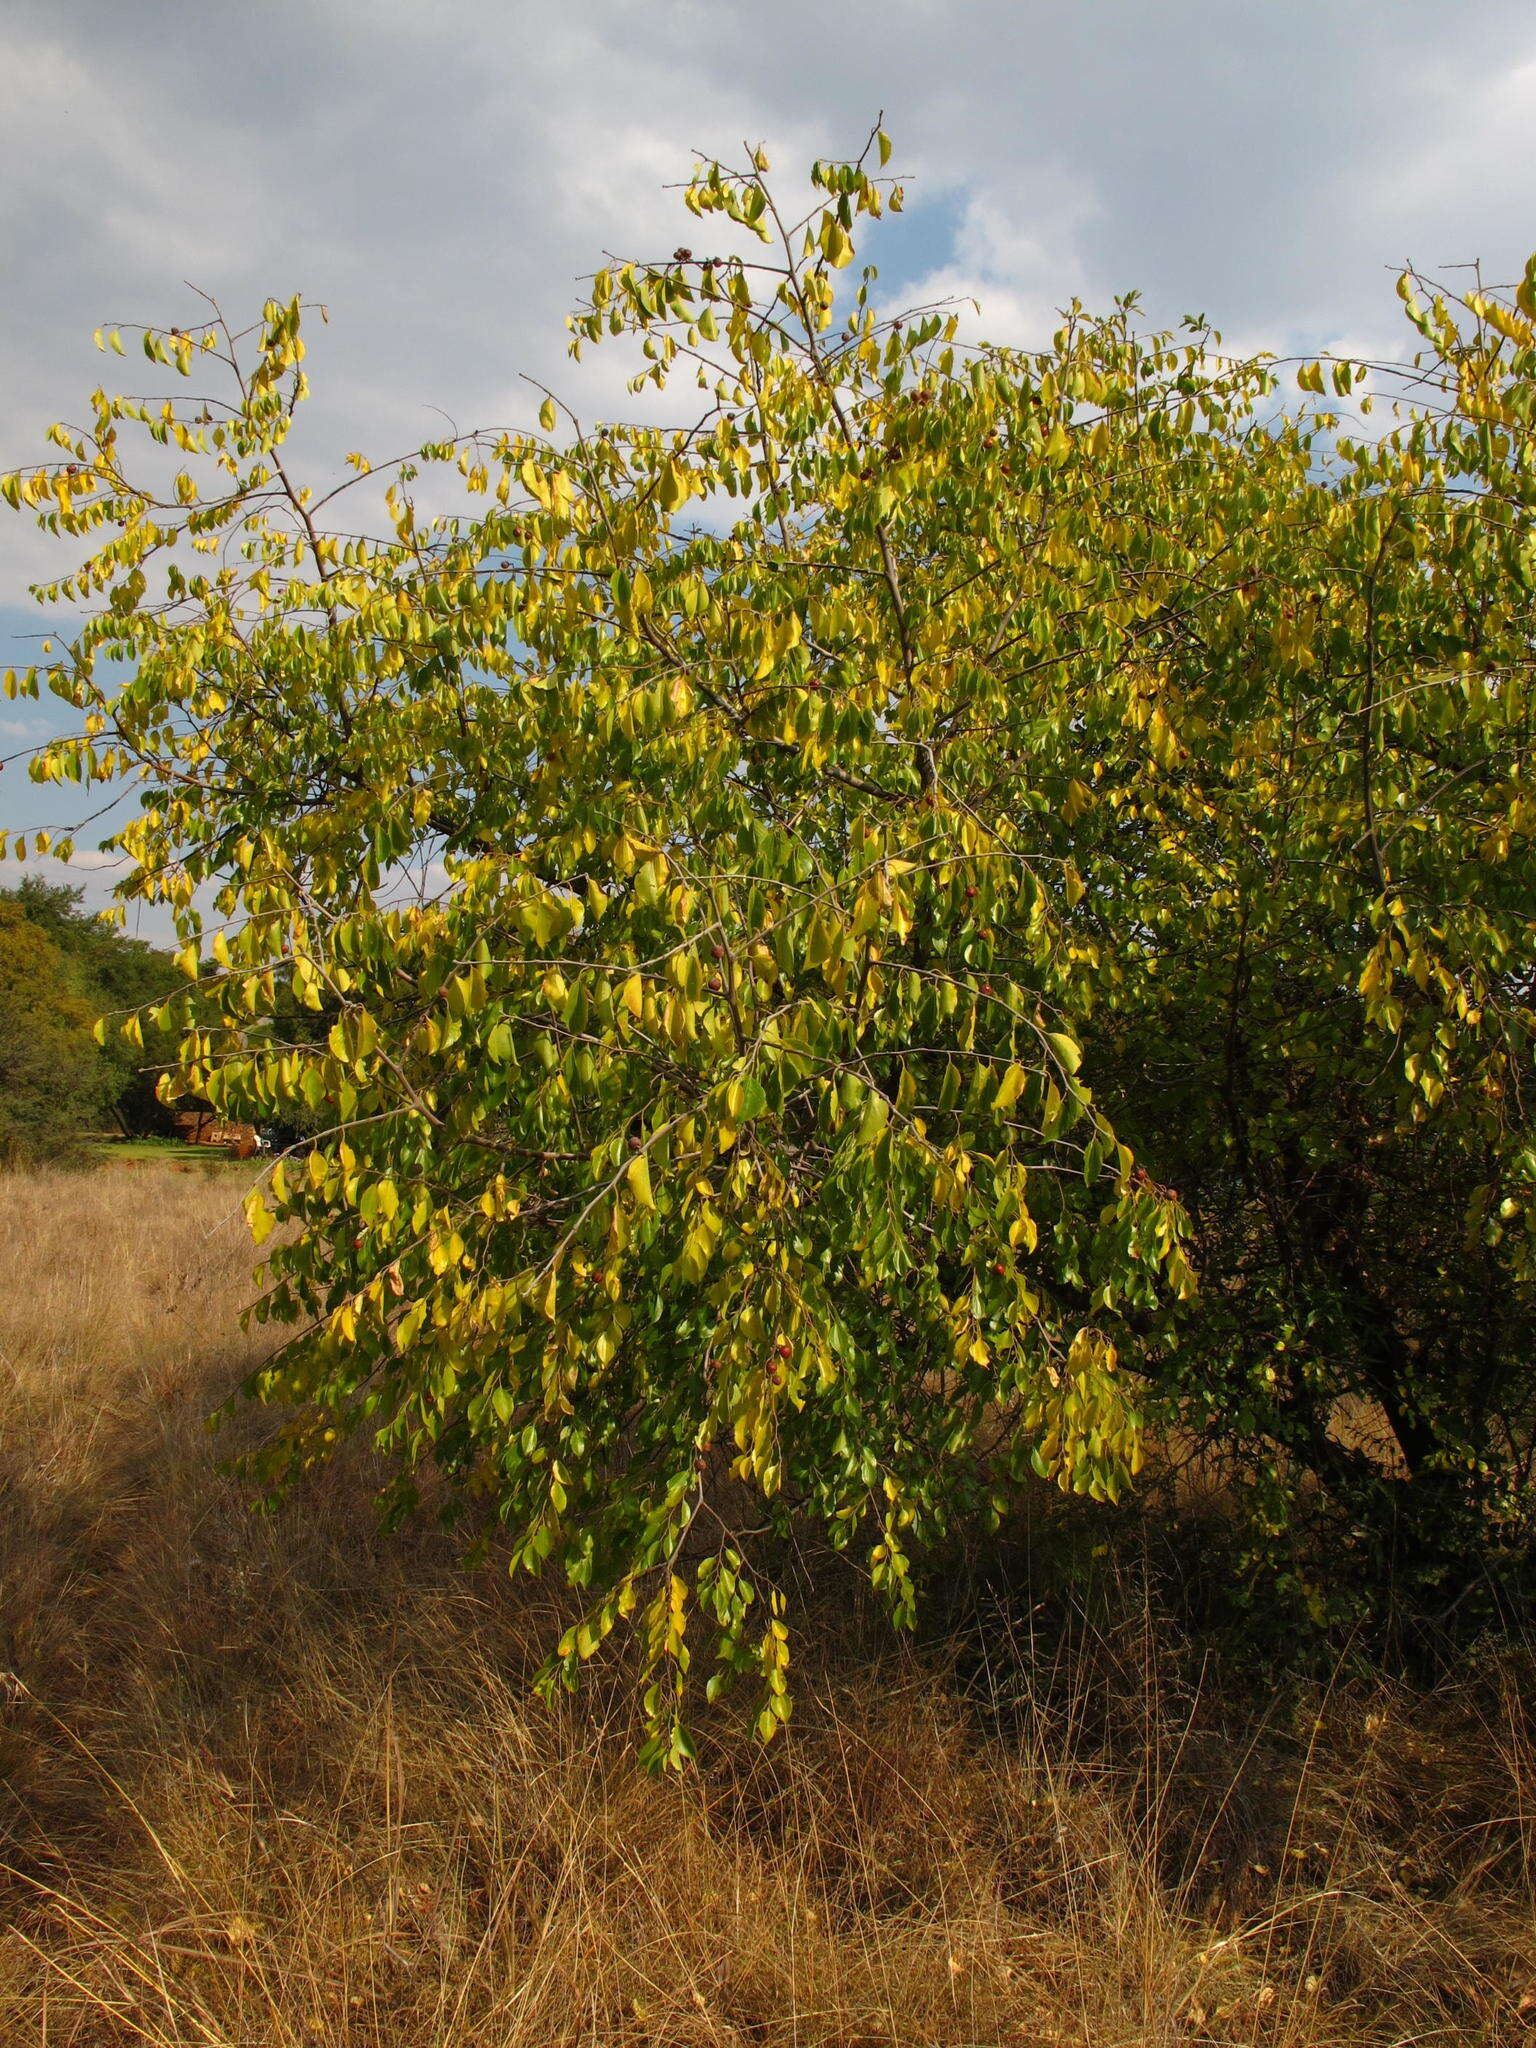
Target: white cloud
(93,861)
(1012,271)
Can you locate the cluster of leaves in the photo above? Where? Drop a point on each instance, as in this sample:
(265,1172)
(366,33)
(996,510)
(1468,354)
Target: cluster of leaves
(699,883)
(1333,1062)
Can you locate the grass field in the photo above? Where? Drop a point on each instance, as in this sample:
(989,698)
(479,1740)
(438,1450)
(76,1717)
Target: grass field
(277,1781)
(172,1152)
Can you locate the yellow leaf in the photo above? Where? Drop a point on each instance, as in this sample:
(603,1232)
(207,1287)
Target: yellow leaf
(1066,1049)
(1022,1231)
(258,1216)
(1010,1088)
(639,1178)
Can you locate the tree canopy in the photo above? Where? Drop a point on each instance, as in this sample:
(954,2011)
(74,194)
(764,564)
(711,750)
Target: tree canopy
(66,970)
(51,1075)
(111,974)
(815,920)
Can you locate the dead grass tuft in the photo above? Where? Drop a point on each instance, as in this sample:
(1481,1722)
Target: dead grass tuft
(275,1780)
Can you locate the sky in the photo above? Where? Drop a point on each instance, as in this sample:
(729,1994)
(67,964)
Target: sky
(440,173)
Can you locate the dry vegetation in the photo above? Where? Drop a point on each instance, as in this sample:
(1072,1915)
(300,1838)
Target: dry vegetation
(276,1780)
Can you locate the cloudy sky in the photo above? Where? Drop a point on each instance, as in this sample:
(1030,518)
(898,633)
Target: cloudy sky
(439,172)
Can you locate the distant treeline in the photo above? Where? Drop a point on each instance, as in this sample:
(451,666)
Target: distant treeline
(61,969)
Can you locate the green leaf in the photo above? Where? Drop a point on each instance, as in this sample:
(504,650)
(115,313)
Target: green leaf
(1066,1049)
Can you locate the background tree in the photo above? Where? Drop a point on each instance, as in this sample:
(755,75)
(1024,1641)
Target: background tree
(112,974)
(52,1081)
(850,800)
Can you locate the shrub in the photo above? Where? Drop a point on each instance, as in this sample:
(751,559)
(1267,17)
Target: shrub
(902,832)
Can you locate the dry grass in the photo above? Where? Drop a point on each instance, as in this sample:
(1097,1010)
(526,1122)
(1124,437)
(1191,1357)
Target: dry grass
(275,1780)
